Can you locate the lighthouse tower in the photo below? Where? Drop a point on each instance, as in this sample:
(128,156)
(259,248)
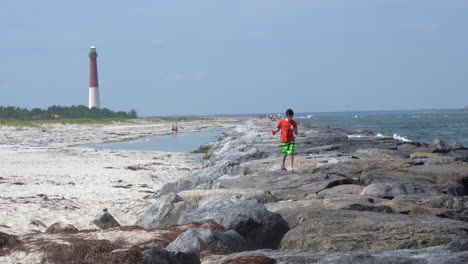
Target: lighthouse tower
(93,79)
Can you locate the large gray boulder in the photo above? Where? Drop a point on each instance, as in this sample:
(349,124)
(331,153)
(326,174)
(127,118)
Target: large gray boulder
(156,254)
(105,220)
(164,212)
(260,227)
(204,238)
(440,146)
(317,229)
(61,228)
(453,253)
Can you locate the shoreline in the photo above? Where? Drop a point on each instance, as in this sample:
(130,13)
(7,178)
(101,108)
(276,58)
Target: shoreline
(48,177)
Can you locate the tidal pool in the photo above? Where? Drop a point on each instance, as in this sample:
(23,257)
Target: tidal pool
(181,142)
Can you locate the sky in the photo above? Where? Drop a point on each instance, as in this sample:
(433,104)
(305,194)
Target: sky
(204,57)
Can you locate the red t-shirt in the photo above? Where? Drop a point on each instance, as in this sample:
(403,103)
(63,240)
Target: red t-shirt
(287,129)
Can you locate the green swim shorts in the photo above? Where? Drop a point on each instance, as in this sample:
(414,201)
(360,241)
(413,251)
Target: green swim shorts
(288,147)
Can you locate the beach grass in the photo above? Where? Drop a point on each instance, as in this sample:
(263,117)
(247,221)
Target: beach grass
(84,121)
(16,123)
(96,121)
(78,121)
(177,119)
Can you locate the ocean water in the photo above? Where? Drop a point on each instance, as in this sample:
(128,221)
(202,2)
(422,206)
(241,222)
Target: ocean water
(413,126)
(182,142)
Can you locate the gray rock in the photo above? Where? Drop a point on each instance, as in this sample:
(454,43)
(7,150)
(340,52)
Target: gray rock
(456,203)
(205,147)
(260,227)
(164,212)
(57,228)
(393,189)
(105,220)
(453,207)
(288,185)
(440,146)
(195,197)
(316,229)
(453,253)
(156,254)
(204,238)
(456,146)
(341,190)
(369,177)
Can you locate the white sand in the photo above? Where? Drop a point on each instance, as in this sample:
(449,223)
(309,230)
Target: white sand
(43,179)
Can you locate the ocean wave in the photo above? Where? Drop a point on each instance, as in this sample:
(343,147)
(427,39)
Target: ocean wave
(398,137)
(356,136)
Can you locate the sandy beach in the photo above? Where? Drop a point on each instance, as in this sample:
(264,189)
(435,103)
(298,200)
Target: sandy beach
(46,177)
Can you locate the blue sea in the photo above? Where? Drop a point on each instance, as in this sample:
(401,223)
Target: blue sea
(413,126)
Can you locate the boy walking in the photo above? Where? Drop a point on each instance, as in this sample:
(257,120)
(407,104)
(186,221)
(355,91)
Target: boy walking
(288,129)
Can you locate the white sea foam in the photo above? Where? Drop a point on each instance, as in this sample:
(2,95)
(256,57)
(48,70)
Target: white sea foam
(398,137)
(356,136)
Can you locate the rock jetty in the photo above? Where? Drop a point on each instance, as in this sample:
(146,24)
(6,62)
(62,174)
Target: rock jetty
(354,197)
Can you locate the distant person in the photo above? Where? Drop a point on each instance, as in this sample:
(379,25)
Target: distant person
(288,129)
(174,129)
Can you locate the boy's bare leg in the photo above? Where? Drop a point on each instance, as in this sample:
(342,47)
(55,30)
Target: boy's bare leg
(283,167)
(292,162)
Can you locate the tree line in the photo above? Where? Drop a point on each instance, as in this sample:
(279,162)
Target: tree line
(62,112)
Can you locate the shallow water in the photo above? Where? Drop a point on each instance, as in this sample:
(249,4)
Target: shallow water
(182,142)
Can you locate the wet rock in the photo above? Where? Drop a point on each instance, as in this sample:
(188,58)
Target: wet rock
(203,238)
(105,220)
(164,212)
(260,227)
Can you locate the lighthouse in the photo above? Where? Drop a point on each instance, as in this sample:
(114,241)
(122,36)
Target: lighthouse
(93,79)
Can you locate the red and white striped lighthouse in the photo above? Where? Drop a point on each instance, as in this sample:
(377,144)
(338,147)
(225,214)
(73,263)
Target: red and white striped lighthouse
(93,79)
